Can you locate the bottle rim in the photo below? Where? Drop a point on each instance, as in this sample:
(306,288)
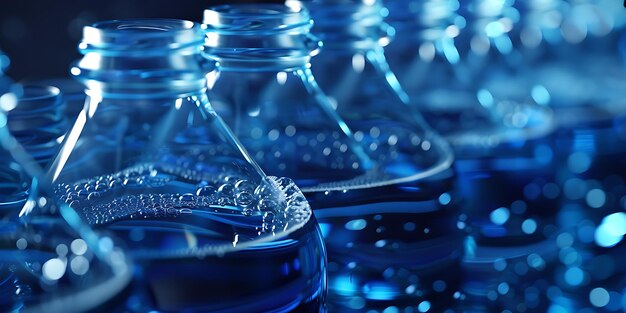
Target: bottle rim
(39,92)
(141,34)
(33,100)
(259,37)
(255,18)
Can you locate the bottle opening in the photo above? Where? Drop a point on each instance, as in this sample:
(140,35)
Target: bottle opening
(148,28)
(140,34)
(144,25)
(140,56)
(251,9)
(247,17)
(35,102)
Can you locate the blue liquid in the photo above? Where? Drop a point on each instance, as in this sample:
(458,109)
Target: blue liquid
(396,246)
(204,244)
(26,284)
(392,246)
(271,277)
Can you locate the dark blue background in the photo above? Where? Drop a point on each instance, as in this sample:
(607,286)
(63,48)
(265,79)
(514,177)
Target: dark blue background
(41,36)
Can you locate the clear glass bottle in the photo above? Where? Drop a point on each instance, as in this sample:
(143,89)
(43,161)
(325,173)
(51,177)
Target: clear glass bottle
(381,195)
(51,261)
(262,54)
(149,159)
(38,121)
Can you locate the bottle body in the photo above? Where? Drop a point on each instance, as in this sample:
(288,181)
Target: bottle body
(363,226)
(376,215)
(384,237)
(51,262)
(181,216)
(149,160)
(464,74)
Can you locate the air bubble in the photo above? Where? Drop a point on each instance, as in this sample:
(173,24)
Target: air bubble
(188,197)
(244,185)
(226,190)
(205,191)
(244,199)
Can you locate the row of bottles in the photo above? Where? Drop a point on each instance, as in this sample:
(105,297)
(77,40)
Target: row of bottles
(416,164)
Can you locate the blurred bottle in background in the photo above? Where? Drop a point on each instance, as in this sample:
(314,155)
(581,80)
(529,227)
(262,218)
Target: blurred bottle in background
(38,121)
(51,261)
(458,63)
(572,48)
(72,93)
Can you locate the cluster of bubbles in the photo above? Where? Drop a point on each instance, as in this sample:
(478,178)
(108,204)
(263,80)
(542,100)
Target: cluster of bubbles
(383,144)
(387,143)
(108,198)
(330,150)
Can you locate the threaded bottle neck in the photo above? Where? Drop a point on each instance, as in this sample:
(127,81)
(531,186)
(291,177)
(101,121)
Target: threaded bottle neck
(38,121)
(259,37)
(142,58)
(348,25)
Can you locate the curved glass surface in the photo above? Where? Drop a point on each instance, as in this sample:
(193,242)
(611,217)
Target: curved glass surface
(38,121)
(50,261)
(373,192)
(149,159)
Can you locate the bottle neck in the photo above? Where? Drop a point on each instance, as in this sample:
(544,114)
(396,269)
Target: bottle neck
(142,59)
(259,37)
(286,52)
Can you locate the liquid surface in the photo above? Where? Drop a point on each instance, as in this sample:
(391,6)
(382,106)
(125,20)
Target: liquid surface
(392,247)
(233,245)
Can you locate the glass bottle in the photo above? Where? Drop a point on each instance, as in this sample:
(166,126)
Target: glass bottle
(72,91)
(51,261)
(460,62)
(149,160)
(38,121)
(378,216)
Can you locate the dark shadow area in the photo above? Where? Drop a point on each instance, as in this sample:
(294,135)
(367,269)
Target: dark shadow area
(40,37)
